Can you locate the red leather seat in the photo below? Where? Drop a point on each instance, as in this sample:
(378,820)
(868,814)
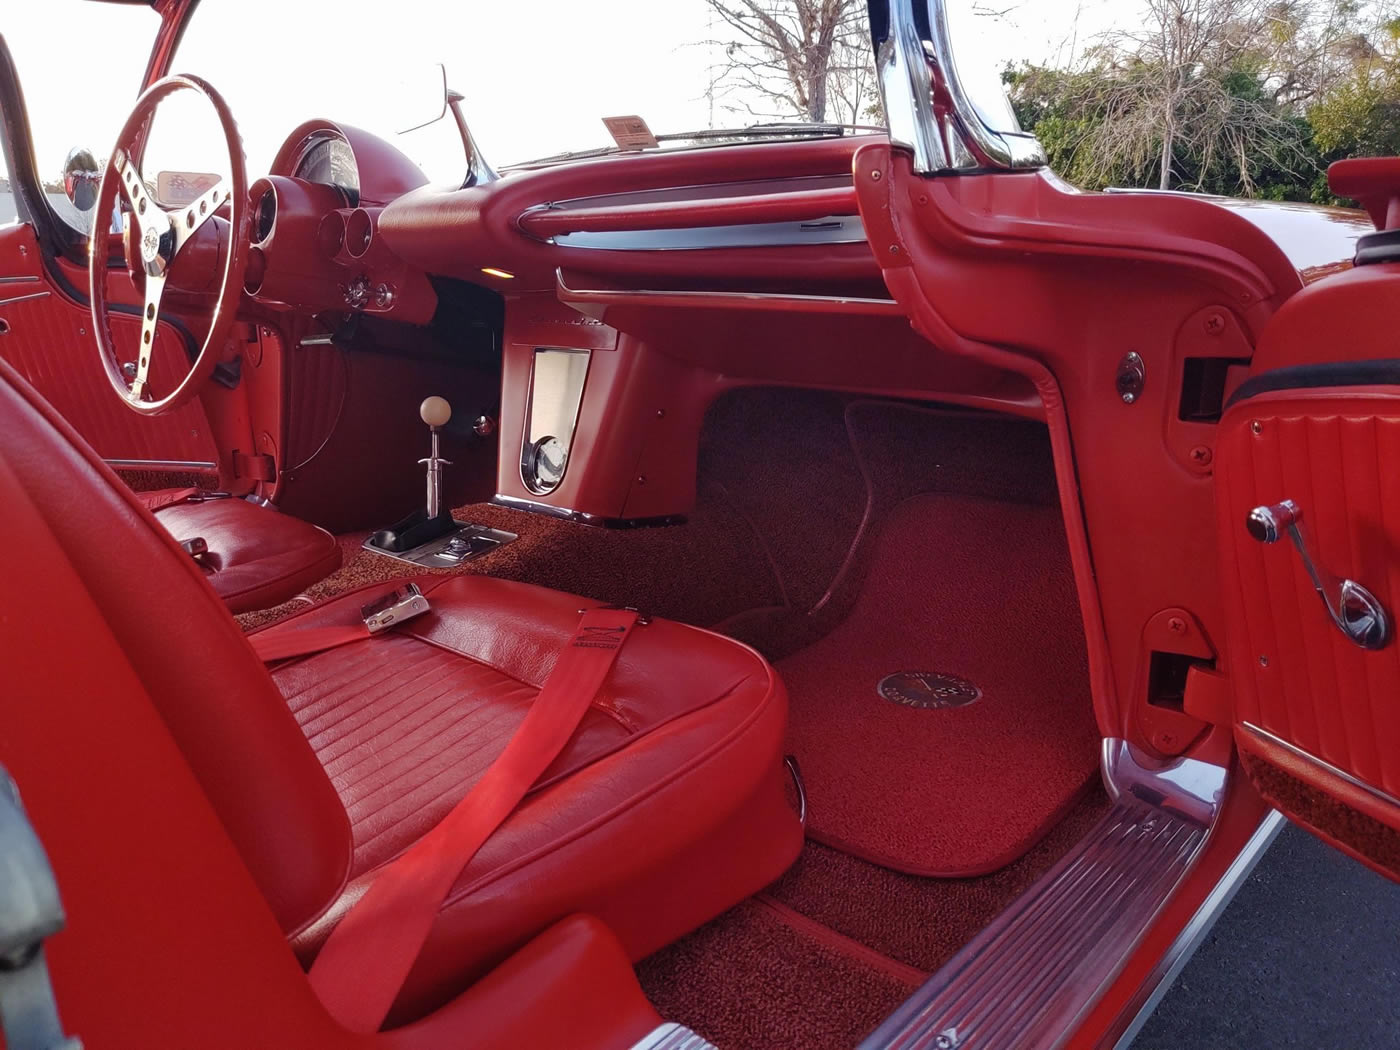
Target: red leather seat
(257,557)
(668,805)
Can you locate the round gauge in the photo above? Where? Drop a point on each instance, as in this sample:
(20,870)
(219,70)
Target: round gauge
(548,462)
(329,160)
(265,216)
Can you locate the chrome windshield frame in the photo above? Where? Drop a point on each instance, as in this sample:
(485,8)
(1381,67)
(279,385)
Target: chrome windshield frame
(929,110)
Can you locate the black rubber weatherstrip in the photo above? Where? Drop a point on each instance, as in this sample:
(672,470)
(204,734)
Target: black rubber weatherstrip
(1381,372)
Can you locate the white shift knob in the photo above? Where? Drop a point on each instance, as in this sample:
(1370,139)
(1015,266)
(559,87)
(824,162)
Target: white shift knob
(435,411)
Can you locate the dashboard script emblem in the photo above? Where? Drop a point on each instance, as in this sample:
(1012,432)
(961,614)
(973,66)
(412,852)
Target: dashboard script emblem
(928,689)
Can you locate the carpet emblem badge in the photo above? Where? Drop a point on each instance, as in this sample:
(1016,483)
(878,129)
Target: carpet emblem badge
(928,689)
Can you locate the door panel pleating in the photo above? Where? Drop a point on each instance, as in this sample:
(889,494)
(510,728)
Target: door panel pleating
(49,341)
(1307,698)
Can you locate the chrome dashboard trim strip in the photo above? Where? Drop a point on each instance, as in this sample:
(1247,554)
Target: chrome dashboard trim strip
(707,298)
(1030,978)
(834,229)
(1322,764)
(1174,960)
(161,464)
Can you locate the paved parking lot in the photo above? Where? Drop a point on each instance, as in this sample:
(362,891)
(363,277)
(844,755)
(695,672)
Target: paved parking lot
(1307,955)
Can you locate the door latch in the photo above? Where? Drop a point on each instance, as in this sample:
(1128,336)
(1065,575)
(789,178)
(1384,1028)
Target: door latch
(1357,612)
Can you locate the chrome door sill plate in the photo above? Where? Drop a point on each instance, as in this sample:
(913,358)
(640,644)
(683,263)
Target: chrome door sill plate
(447,552)
(1028,978)
(673,1037)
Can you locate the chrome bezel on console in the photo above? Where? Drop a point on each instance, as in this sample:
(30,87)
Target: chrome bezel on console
(552,414)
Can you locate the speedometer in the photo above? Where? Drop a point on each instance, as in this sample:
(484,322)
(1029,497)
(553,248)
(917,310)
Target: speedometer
(329,160)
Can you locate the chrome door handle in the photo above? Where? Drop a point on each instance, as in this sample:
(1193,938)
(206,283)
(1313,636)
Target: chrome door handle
(1357,612)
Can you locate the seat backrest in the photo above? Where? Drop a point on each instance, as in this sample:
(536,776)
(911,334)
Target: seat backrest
(213,693)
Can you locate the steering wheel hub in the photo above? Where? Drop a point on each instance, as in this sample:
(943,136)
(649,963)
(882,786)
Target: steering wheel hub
(153,248)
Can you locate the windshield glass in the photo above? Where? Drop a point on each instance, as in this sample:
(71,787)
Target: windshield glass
(538,76)
(64,113)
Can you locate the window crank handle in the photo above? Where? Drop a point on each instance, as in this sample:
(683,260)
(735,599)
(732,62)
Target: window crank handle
(1357,612)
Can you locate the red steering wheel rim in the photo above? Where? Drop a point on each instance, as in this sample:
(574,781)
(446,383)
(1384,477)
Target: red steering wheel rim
(163,234)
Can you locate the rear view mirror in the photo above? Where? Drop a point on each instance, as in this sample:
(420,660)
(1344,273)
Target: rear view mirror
(81,177)
(419,95)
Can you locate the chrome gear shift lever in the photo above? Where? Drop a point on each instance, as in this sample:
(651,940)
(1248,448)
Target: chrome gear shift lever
(433,537)
(435,412)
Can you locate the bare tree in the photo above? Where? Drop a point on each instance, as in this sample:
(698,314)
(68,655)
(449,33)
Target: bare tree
(795,58)
(1177,85)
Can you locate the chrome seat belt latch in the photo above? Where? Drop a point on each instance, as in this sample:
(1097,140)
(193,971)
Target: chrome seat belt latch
(394,608)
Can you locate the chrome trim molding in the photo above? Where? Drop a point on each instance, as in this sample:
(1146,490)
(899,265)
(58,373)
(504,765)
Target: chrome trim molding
(834,229)
(22,279)
(1169,967)
(162,464)
(913,71)
(795,771)
(673,1036)
(583,517)
(1031,976)
(1322,764)
(22,298)
(717,300)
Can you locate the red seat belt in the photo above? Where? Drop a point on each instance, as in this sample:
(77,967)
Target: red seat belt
(369,955)
(272,645)
(159,499)
(389,609)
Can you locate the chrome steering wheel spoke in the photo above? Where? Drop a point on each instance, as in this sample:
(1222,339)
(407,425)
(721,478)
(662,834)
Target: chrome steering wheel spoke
(134,189)
(186,221)
(150,317)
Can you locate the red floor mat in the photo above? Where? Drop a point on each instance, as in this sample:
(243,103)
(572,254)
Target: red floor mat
(971,588)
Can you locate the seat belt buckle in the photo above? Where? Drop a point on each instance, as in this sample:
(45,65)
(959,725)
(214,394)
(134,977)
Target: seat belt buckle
(394,608)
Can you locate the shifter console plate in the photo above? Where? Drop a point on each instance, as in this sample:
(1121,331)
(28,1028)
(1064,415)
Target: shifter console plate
(466,542)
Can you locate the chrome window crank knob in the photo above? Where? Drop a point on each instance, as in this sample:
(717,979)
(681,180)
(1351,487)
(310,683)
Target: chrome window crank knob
(1355,611)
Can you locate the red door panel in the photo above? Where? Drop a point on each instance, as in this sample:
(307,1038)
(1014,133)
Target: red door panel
(1315,705)
(47,338)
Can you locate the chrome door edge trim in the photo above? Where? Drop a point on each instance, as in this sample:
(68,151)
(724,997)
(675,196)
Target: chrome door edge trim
(1174,960)
(161,464)
(1323,764)
(22,298)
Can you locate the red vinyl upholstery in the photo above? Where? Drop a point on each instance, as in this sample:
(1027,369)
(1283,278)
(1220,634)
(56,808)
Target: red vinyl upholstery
(258,557)
(667,807)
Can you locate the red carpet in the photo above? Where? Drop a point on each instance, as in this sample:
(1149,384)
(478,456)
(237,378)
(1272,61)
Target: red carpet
(972,588)
(761,977)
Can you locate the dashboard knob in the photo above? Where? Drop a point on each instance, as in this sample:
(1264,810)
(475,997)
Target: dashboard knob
(435,411)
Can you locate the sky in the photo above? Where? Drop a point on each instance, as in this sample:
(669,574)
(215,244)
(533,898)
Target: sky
(538,75)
